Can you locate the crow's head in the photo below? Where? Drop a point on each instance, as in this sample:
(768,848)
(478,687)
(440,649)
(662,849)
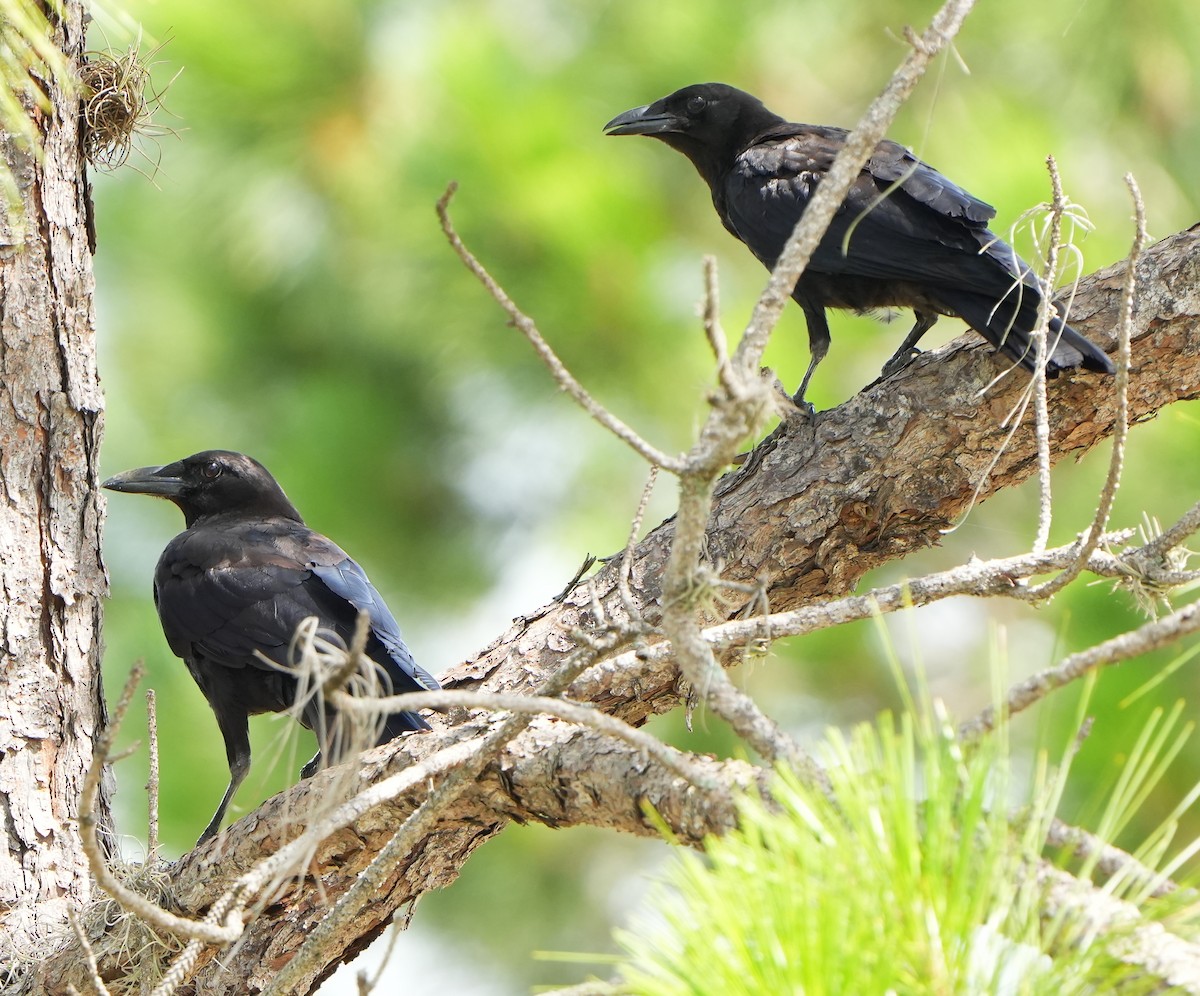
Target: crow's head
(710,123)
(215,482)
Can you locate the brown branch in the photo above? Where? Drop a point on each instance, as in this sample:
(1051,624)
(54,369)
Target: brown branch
(528,327)
(1108,492)
(1151,636)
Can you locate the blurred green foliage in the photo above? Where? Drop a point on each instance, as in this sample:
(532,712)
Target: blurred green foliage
(907,877)
(281,287)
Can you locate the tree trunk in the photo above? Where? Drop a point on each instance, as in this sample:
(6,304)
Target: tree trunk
(51,706)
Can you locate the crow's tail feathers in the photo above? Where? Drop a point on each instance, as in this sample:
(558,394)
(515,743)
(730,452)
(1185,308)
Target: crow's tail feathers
(1008,324)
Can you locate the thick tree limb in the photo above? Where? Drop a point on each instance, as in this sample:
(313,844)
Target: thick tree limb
(815,507)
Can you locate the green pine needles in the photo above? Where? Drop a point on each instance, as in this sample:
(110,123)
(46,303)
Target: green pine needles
(918,875)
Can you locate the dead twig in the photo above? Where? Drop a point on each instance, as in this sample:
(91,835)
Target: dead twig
(1151,636)
(1108,492)
(152,780)
(558,370)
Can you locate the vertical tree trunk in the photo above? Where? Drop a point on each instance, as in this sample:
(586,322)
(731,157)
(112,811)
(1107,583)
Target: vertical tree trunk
(52,579)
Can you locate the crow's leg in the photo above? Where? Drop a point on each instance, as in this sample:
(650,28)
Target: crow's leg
(235,730)
(908,349)
(818,347)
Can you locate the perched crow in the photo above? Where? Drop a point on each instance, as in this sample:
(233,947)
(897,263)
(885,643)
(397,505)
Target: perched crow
(239,579)
(905,236)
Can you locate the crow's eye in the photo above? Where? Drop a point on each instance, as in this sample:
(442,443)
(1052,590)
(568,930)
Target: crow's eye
(696,104)
(211,470)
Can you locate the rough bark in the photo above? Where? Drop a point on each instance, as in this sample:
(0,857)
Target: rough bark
(816,506)
(811,510)
(53,581)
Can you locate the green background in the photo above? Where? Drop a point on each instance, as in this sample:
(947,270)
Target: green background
(281,287)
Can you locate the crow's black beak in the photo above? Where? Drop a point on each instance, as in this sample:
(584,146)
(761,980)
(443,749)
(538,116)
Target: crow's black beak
(648,120)
(161,481)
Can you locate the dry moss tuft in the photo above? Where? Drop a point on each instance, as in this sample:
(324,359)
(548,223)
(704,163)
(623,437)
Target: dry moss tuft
(133,958)
(138,956)
(119,102)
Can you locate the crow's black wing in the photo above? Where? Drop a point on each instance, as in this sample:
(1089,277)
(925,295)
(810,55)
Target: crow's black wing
(226,593)
(346,581)
(905,221)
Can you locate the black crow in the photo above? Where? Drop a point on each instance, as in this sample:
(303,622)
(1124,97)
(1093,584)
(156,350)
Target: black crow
(239,580)
(905,236)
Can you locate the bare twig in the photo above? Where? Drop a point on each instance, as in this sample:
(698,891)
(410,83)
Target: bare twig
(1110,860)
(694,655)
(367,984)
(717,339)
(1187,525)
(980,578)
(98,986)
(1108,493)
(1136,940)
(623,577)
(149,912)
(558,370)
(1142,640)
(152,780)
(1042,351)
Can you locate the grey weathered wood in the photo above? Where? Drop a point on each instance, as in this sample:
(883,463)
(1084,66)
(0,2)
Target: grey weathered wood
(52,581)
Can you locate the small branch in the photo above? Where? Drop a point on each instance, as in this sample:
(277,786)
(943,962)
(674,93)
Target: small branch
(1040,336)
(1116,463)
(981,578)
(1187,525)
(356,660)
(89,955)
(566,381)
(1140,641)
(1109,860)
(717,339)
(683,588)
(129,900)
(628,603)
(152,781)
(1134,939)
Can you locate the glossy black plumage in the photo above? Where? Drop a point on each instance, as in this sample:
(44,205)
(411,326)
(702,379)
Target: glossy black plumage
(914,238)
(240,579)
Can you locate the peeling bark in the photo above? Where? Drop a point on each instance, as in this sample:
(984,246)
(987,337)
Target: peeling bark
(53,581)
